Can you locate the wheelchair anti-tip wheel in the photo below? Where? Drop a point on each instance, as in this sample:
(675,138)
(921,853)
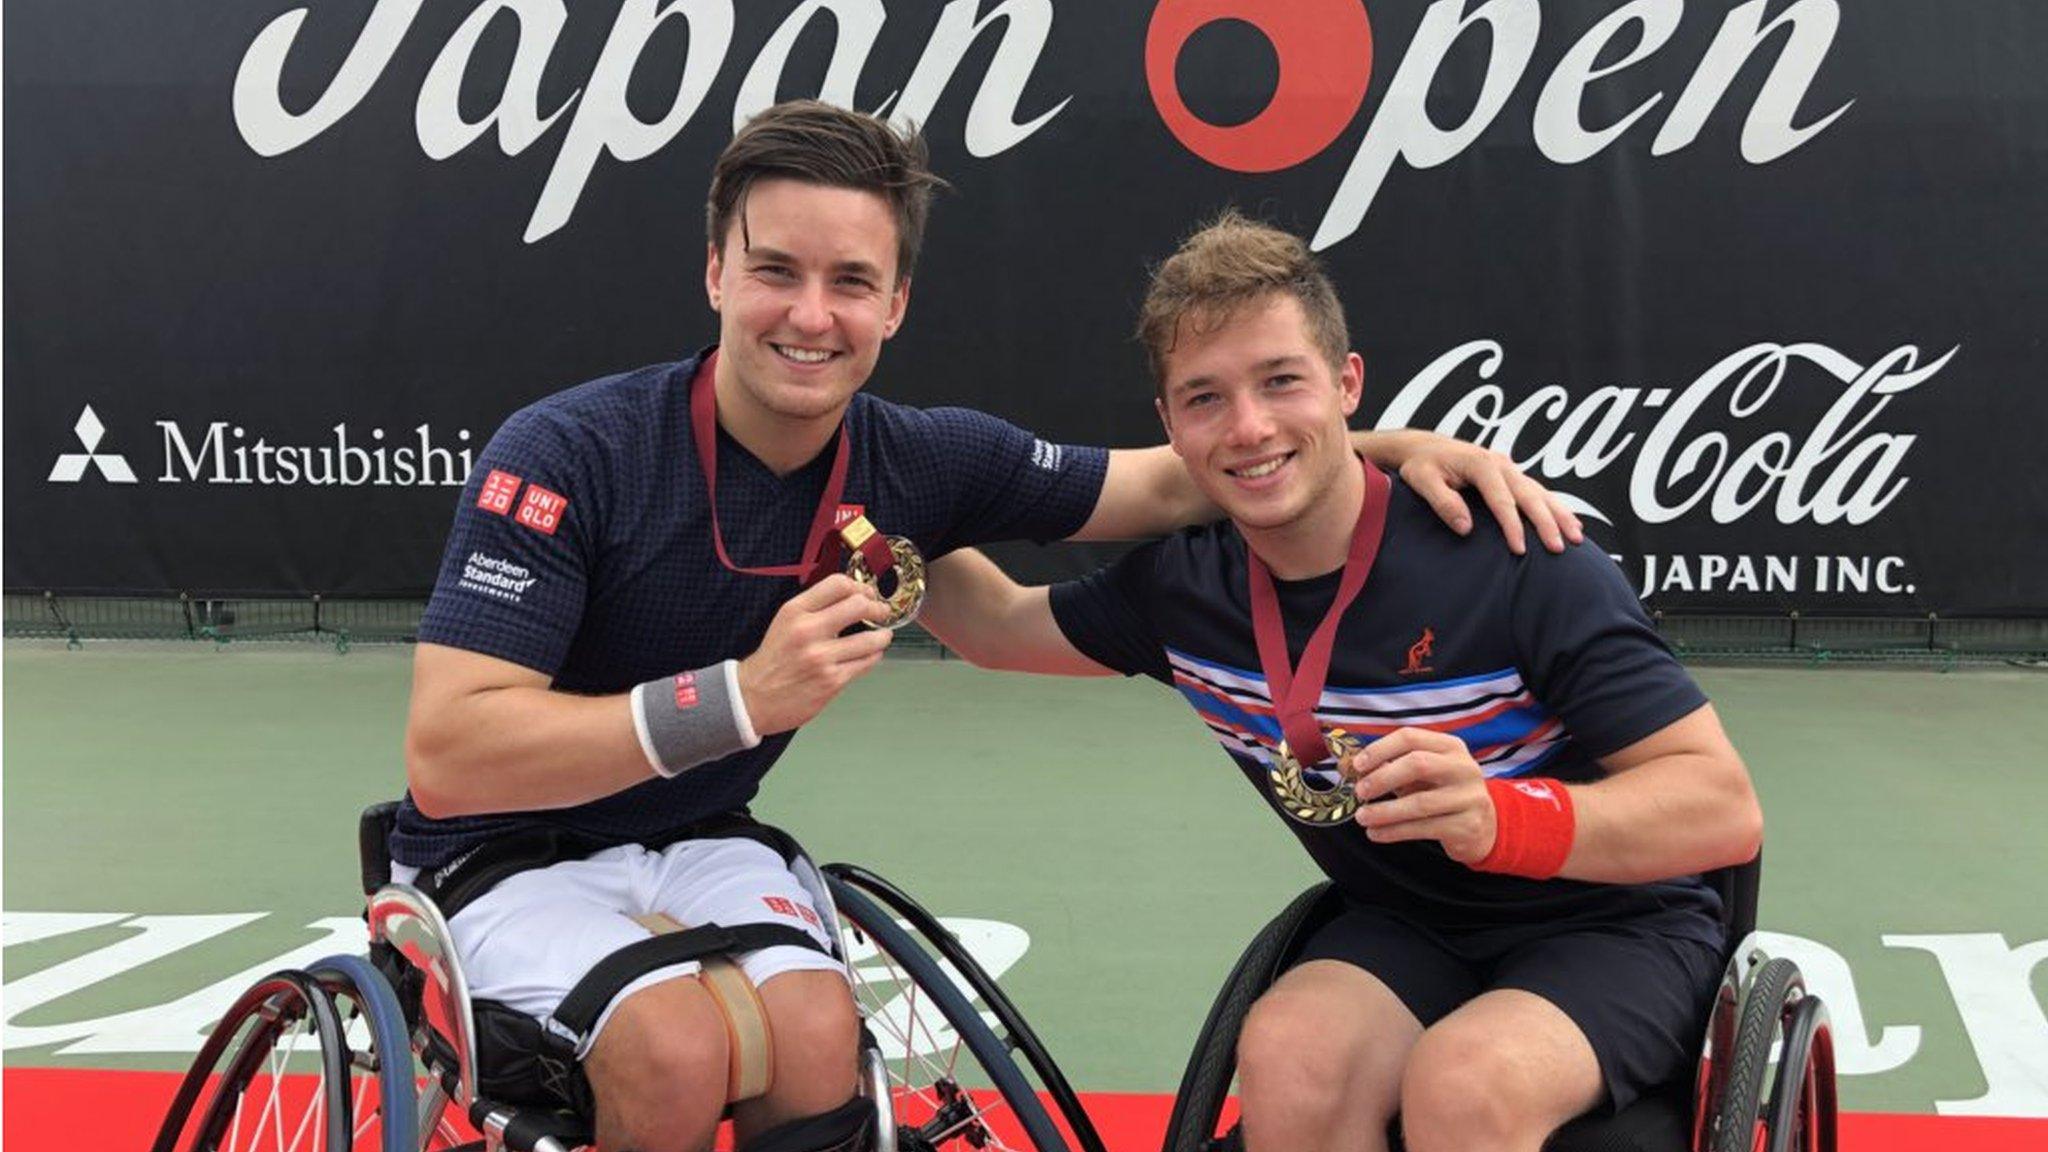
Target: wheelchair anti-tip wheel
(272,1077)
(957,1077)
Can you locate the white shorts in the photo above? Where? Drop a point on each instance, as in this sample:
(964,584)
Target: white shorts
(527,941)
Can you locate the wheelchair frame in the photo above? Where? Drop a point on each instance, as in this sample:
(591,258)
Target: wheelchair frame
(1739,1100)
(358,1019)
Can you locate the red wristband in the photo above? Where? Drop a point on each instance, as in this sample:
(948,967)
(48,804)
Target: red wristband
(1532,828)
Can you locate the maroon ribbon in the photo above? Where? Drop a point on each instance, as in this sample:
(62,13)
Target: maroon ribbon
(1296,690)
(821,550)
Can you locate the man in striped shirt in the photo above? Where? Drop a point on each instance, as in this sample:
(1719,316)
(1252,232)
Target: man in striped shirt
(1525,935)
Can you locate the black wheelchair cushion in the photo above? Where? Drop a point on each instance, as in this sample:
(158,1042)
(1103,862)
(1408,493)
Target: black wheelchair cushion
(847,1128)
(1658,1122)
(521,1062)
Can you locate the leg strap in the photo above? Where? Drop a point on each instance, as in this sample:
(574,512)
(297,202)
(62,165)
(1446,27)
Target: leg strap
(712,947)
(750,1044)
(847,1128)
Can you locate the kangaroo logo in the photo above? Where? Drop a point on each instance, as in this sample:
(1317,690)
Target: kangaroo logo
(1419,652)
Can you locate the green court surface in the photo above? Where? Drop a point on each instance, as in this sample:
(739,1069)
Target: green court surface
(1904,808)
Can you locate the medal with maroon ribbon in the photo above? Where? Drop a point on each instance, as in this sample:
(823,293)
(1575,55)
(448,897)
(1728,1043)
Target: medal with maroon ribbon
(1295,691)
(868,553)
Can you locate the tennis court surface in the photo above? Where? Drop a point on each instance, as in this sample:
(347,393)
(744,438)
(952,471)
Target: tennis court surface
(180,818)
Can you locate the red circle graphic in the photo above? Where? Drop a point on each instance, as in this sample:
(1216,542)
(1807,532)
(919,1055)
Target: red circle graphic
(1325,51)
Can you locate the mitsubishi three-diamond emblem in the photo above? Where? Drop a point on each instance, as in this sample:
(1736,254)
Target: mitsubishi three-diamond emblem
(71,466)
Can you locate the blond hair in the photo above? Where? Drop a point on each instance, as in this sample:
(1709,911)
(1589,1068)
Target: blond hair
(1225,265)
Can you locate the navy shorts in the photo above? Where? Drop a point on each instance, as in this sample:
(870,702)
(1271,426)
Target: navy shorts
(1638,989)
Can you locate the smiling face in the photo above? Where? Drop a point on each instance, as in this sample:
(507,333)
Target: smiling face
(1256,411)
(805,286)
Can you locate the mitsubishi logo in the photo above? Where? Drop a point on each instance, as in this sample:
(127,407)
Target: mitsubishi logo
(71,466)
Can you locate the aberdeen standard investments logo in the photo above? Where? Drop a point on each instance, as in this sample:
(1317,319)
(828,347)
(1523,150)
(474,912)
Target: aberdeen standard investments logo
(224,452)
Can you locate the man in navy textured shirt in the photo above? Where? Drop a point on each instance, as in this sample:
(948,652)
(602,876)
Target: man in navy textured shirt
(1512,783)
(640,603)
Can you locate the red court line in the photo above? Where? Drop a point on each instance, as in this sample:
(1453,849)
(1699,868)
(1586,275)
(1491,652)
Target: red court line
(89,1110)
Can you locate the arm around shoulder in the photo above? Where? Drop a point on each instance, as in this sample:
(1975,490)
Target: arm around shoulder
(993,622)
(1145,493)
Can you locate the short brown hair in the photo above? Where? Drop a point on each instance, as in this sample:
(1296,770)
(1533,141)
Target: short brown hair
(818,143)
(1226,264)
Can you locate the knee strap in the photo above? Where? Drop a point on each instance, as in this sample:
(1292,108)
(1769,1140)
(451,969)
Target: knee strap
(750,1044)
(673,943)
(847,1128)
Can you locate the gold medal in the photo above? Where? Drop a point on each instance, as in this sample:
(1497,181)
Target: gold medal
(907,565)
(1306,803)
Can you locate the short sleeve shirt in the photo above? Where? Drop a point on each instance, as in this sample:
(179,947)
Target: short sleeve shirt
(582,548)
(1541,664)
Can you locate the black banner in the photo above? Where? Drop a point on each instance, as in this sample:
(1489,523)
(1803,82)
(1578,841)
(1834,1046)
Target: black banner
(1757,283)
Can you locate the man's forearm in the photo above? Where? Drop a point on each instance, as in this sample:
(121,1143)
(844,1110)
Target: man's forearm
(1147,493)
(975,609)
(486,736)
(972,608)
(1677,815)
(512,749)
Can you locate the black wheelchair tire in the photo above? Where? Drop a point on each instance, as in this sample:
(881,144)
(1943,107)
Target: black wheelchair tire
(1801,1114)
(1205,1084)
(1764,1006)
(995,1058)
(239,1047)
(1015,1030)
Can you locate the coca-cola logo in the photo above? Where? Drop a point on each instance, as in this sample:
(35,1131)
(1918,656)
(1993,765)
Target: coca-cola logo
(1725,446)
(1326,51)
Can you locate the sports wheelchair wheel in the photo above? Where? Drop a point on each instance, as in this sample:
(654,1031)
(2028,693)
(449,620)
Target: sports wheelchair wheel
(1733,1112)
(916,987)
(1798,1113)
(1197,1122)
(389,1096)
(272,1077)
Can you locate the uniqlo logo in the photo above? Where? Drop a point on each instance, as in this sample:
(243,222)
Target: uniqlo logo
(686,690)
(499,489)
(542,510)
(780,905)
(847,514)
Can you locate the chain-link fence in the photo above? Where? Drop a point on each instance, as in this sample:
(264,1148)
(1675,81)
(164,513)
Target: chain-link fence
(225,620)
(1932,640)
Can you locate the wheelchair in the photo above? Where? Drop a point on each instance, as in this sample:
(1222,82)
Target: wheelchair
(1765,1080)
(380,1055)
